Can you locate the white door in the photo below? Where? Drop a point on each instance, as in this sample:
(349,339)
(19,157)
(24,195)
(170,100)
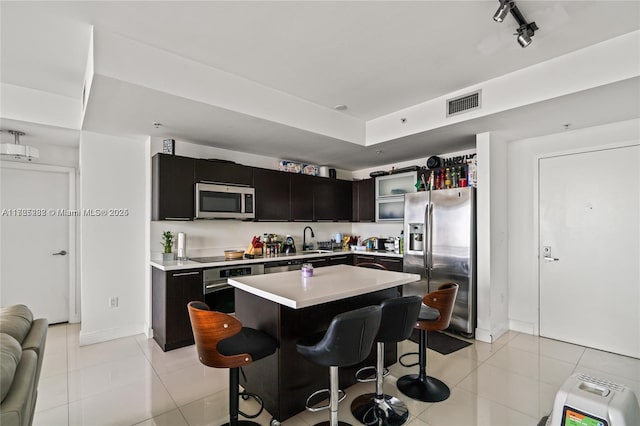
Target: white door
(589,213)
(33,229)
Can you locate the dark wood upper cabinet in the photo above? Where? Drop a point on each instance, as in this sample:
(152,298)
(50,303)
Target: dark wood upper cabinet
(279,196)
(302,187)
(320,199)
(272,194)
(332,199)
(172,194)
(223,172)
(364,201)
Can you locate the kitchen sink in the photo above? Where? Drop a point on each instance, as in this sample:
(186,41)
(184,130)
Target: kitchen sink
(315,251)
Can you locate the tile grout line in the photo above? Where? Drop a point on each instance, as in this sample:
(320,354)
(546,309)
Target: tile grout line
(144,353)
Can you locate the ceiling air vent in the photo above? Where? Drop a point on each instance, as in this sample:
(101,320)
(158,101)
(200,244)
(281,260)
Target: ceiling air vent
(464,103)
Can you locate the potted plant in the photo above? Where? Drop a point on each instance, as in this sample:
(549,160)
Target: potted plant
(167,242)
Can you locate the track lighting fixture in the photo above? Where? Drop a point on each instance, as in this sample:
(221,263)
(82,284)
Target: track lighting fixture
(525,29)
(501,13)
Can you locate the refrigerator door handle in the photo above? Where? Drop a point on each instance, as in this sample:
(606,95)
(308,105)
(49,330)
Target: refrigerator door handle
(430,238)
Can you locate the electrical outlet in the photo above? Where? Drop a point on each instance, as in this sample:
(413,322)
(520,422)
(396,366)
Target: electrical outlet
(113,302)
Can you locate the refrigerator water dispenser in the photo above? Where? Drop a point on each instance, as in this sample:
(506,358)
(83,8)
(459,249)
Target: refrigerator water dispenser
(416,231)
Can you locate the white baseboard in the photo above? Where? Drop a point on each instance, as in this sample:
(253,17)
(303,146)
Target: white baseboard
(483,335)
(522,327)
(91,337)
(490,336)
(148,331)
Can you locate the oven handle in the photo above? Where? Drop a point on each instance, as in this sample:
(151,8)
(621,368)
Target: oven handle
(215,286)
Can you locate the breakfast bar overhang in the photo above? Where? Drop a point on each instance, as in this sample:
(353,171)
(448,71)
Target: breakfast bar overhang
(290,307)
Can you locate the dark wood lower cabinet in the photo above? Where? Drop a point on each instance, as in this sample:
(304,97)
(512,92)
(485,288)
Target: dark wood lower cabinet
(391,263)
(170,293)
(285,379)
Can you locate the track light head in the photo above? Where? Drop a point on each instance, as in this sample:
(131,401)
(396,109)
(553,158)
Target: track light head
(525,32)
(503,10)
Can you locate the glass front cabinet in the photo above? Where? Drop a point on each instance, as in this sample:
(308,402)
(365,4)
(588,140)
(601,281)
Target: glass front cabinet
(390,192)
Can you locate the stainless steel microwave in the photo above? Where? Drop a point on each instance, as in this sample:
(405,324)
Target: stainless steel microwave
(223,201)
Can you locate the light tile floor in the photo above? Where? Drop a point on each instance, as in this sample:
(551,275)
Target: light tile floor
(131,381)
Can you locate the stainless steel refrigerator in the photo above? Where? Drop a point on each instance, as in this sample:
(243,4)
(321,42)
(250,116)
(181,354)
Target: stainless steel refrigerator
(440,245)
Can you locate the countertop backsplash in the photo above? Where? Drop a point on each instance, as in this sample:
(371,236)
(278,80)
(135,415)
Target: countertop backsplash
(212,237)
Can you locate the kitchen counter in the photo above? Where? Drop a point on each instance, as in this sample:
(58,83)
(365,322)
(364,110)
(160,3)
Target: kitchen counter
(176,265)
(327,284)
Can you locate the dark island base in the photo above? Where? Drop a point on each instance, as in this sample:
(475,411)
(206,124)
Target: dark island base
(285,379)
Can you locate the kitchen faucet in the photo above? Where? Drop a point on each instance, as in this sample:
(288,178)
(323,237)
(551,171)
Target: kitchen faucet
(306,246)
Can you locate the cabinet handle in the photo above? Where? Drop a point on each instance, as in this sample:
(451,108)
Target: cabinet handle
(338,258)
(392,260)
(177,218)
(183,274)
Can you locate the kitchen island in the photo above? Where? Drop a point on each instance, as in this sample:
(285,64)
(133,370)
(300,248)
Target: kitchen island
(289,307)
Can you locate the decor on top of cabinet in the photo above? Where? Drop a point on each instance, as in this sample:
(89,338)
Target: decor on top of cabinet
(290,166)
(297,167)
(167,243)
(169,146)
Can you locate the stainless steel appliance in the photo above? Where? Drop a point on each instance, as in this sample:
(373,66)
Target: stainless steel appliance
(289,245)
(218,294)
(283,266)
(224,201)
(440,245)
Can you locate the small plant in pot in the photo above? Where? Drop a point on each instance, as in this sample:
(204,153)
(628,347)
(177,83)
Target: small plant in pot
(167,242)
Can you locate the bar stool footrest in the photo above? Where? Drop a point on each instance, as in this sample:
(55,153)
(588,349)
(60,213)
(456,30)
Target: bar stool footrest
(341,396)
(369,370)
(400,359)
(246,395)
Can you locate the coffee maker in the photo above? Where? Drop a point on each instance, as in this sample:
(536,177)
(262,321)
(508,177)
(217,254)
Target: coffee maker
(289,246)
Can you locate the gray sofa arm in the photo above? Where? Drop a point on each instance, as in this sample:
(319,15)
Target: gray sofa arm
(36,340)
(17,407)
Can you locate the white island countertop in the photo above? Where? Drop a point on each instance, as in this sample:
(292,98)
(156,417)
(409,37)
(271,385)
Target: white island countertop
(328,284)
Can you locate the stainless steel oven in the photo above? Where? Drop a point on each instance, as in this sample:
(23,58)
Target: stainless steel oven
(218,294)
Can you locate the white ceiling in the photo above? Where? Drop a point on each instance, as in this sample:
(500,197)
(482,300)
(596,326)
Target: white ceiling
(375,56)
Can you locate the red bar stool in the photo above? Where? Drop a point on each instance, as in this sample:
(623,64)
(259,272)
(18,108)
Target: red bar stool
(435,315)
(222,342)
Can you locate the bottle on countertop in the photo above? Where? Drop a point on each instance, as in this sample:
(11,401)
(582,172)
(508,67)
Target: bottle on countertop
(401,242)
(447,179)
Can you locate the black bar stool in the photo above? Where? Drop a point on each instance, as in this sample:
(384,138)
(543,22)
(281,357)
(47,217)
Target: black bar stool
(347,341)
(222,342)
(435,315)
(399,316)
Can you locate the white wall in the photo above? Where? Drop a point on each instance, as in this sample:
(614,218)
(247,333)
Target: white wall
(522,195)
(492,249)
(113,259)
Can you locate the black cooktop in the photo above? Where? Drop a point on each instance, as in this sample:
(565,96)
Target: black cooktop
(208,259)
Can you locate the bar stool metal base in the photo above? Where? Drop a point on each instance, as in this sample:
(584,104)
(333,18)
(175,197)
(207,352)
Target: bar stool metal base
(387,411)
(243,423)
(329,424)
(427,389)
